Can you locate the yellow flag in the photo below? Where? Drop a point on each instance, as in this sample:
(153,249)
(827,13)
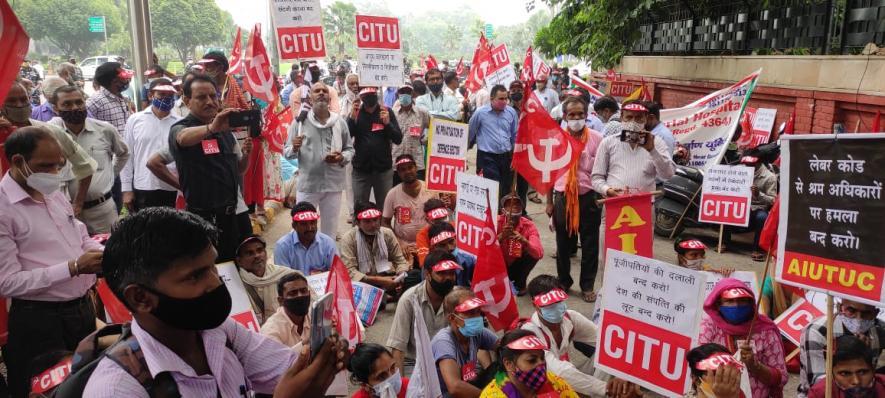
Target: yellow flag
(635,95)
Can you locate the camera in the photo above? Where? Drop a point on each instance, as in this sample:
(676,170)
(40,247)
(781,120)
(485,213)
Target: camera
(634,137)
(248,118)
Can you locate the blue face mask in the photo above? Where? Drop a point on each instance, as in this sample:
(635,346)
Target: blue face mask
(164,104)
(472,326)
(405,99)
(737,315)
(554,313)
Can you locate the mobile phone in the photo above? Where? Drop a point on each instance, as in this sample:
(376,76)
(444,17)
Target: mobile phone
(320,322)
(248,118)
(634,137)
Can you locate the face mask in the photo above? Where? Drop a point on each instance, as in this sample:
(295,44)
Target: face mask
(435,88)
(164,104)
(632,126)
(499,105)
(695,264)
(858,392)
(576,125)
(370,100)
(18,115)
(533,379)
(553,313)
(76,116)
(472,327)
(405,99)
(516,97)
(390,387)
(297,306)
(441,288)
(856,325)
(45,183)
(737,315)
(201,313)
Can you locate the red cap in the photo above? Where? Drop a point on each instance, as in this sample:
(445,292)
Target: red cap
(52,377)
(637,107)
(737,292)
(447,265)
(442,236)
(527,343)
(749,160)
(552,297)
(716,360)
(125,73)
(470,304)
(306,215)
(368,90)
(404,160)
(692,244)
(368,214)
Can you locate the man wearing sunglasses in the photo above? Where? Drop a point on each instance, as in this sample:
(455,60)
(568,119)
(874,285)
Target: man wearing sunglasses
(852,318)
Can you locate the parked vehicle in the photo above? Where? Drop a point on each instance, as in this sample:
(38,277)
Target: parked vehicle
(88,65)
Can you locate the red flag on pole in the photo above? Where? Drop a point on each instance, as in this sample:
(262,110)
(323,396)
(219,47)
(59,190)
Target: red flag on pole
(490,281)
(482,57)
(430,62)
(236,54)
(768,235)
(257,78)
(645,94)
(459,70)
(790,127)
(543,151)
(344,309)
(13,45)
(877,122)
(528,68)
(276,128)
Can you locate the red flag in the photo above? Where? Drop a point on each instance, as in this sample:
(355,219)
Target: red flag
(629,223)
(276,137)
(490,281)
(876,122)
(543,151)
(768,235)
(482,57)
(430,62)
(459,70)
(13,45)
(344,309)
(528,68)
(594,92)
(236,54)
(790,127)
(117,312)
(257,78)
(645,95)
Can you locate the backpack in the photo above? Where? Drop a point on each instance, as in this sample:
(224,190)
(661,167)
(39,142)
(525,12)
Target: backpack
(126,353)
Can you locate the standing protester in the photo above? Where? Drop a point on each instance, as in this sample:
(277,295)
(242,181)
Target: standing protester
(259,276)
(350,94)
(413,122)
(519,240)
(764,191)
(654,125)
(493,130)
(854,371)
(374,129)
(371,252)
(517,95)
(293,84)
(522,370)
(548,96)
(452,89)
(180,109)
(456,349)
(47,259)
(304,249)
(403,208)
(45,112)
(321,144)
(29,72)
(606,109)
(290,324)
(146,133)
(436,102)
(105,146)
(210,163)
(572,204)
(109,105)
(78,73)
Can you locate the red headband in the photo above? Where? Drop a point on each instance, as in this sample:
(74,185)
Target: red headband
(368,214)
(527,343)
(446,265)
(306,215)
(436,214)
(552,297)
(442,236)
(403,161)
(692,244)
(716,360)
(635,107)
(470,304)
(52,377)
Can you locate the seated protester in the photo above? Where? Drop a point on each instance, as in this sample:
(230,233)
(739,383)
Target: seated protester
(371,252)
(729,312)
(160,263)
(561,329)
(456,349)
(305,249)
(691,253)
(519,240)
(764,191)
(442,237)
(259,276)
(47,371)
(439,280)
(854,372)
(522,370)
(852,318)
(714,372)
(404,205)
(372,367)
(435,211)
(290,325)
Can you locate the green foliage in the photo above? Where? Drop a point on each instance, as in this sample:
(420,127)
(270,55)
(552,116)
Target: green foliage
(183,25)
(64,23)
(339,20)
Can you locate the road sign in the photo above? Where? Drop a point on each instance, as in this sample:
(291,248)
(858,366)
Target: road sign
(97,24)
(489,30)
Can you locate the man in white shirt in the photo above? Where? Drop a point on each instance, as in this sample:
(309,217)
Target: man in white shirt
(436,101)
(146,133)
(548,96)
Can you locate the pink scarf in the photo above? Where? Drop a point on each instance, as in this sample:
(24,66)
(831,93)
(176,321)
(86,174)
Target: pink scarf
(711,307)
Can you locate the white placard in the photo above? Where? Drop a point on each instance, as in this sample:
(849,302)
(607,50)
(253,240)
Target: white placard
(748,277)
(299,28)
(241,308)
(726,195)
(475,193)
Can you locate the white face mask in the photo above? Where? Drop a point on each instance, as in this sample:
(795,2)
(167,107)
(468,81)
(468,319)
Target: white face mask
(390,387)
(695,264)
(45,183)
(576,125)
(632,126)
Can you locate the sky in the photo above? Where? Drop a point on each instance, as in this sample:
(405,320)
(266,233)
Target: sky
(496,12)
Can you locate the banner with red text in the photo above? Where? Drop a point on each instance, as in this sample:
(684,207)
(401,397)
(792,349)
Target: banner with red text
(726,195)
(756,127)
(794,320)
(379,45)
(831,212)
(500,70)
(299,29)
(446,154)
(706,125)
(470,211)
(651,315)
(629,224)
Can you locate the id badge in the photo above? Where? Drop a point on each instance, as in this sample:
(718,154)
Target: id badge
(415,131)
(210,147)
(468,371)
(377,127)
(404,215)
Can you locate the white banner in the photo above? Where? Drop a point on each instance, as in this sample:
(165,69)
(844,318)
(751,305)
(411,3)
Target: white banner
(501,70)
(241,310)
(471,209)
(705,126)
(726,195)
(446,154)
(379,45)
(299,28)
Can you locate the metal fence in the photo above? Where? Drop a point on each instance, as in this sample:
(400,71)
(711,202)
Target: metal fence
(795,27)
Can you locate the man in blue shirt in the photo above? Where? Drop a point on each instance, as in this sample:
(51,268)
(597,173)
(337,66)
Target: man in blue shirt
(654,125)
(305,249)
(493,128)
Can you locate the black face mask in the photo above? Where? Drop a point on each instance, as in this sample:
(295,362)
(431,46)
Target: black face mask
(435,87)
(76,116)
(297,306)
(370,100)
(442,288)
(201,313)
(516,97)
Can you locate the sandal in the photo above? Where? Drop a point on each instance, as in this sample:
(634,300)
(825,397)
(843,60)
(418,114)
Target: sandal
(588,296)
(534,197)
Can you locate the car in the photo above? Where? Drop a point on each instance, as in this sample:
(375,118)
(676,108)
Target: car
(88,65)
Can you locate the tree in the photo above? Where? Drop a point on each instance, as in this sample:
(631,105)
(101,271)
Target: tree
(452,38)
(184,25)
(65,23)
(340,20)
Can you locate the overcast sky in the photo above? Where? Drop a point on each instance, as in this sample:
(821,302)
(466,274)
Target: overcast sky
(496,12)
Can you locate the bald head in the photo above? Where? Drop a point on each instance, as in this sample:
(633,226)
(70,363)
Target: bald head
(50,84)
